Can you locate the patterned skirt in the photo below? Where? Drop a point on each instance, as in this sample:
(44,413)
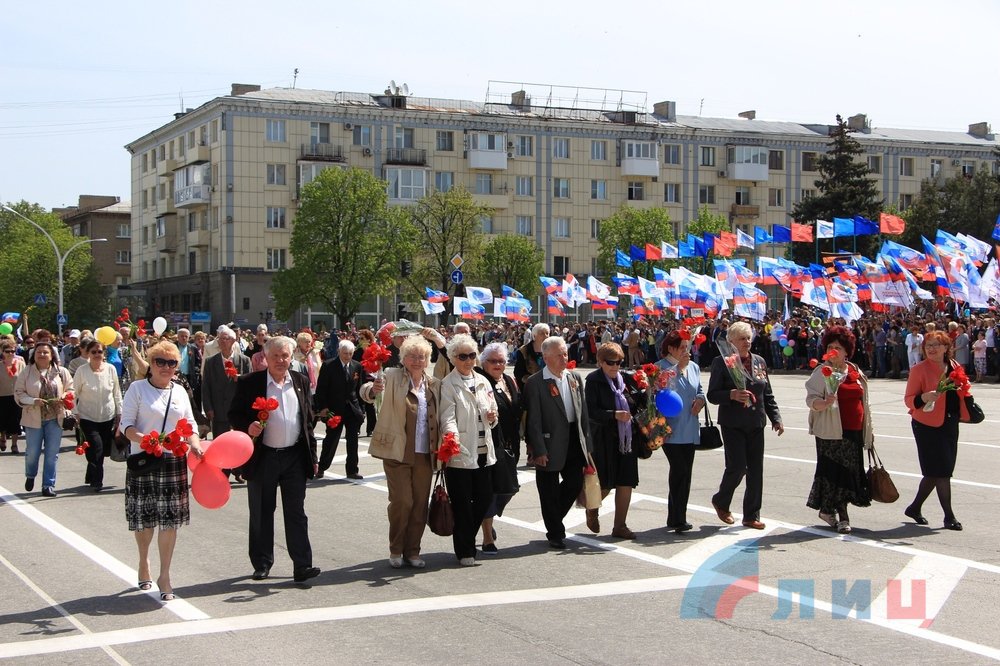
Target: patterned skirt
(840,474)
(159,499)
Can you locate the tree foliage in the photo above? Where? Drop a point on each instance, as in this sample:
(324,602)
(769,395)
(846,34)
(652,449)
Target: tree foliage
(633,226)
(516,261)
(346,245)
(960,204)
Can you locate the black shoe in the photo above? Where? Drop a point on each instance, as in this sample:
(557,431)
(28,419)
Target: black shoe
(261,574)
(913,513)
(305,573)
(953,525)
(682,527)
(355,476)
(557,544)
(29,485)
(48,492)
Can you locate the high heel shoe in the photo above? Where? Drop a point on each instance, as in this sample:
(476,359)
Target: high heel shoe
(910,512)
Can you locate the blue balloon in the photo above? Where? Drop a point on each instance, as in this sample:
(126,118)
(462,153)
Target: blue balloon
(779,329)
(782,342)
(669,403)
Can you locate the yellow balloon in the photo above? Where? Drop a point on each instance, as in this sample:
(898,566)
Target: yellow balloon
(105,335)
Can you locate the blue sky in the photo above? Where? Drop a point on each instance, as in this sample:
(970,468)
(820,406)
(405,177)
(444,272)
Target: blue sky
(83,79)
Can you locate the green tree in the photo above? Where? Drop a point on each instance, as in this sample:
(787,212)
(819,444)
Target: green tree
(707,222)
(960,204)
(346,245)
(633,226)
(516,261)
(845,188)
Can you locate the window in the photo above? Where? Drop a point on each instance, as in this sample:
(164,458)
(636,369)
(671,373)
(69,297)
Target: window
(523,223)
(275,217)
(275,259)
(560,149)
(599,189)
(560,227)
(123,256)
(742,196)
(640,149)
(671,193)
(595,267)
(309,170)
(145,162)
(905,166)
(707,156)
(486,223)
(406,184)
(192,222)
(747,155)
(806,194)
(319,133)
(215,131)
(445,141)
(403,137)
(599,150)
(161,192)
(936,166)
(776,160)
(161,152)
(523,146)
(671,154)
(191,139)
(161,227)
(192,269)
(524,186)
(484,183)
(635,190)
(968,168)
(810,161)
(170,150)
(595,229)
(275,174)
(362,135)
(488,141)
(560,265)
(706,194)
(275,130)
(181,150)
(905,201)
(145,198)
(775,197)
(444,181)
(560,188)
(145,235)
(875,164)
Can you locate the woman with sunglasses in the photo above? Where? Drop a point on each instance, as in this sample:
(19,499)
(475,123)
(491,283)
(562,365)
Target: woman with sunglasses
(40,391)
(99,406)
(10,411)
(158,499)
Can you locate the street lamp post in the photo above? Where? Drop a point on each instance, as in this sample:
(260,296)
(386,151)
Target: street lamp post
(60,257)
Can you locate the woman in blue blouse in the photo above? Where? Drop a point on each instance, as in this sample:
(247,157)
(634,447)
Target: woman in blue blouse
(685,432)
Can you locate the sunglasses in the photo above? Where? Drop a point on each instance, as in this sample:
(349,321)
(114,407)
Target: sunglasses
(498,361)
(97,352)
(8,351)
(466,357)
(615,362)
(165,362)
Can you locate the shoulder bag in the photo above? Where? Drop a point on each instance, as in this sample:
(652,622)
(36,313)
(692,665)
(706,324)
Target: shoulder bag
(879,482)
(710,437)
(976,414)
(143,463)
(440,516)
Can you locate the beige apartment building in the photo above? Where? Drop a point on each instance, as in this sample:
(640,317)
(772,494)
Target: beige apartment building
(214,191)
(109,218)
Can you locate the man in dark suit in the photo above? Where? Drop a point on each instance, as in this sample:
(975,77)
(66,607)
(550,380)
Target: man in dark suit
(218,383)
(337,394)
(284,455)
(558,432)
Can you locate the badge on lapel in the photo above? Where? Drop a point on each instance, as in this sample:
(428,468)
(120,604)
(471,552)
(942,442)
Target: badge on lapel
(554,389)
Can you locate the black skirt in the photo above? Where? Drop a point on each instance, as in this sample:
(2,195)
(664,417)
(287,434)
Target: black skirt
(840,477)
(937,447)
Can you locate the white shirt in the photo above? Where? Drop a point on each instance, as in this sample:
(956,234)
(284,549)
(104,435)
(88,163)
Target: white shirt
(564,392)
(98,394)
(422,441)
(144,405)
(282,428)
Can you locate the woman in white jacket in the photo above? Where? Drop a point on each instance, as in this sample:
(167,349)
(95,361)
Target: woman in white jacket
(469,410)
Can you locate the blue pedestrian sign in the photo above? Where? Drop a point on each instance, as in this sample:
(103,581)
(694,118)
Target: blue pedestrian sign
(62,320)
(40,299)
(457,277)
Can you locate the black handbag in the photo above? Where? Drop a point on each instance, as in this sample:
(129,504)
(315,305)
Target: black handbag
(70,421)
(710,437)
(143,463)
(976,414)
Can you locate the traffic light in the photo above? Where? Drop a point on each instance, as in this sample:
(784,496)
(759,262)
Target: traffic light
(400,311)
(405,268)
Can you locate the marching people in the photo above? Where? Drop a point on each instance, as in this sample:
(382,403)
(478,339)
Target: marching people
(338,394)
(40,390)
(99,406)
(10,410)
(218,382)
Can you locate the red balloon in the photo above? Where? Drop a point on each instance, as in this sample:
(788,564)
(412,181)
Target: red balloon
(210,487)
(229,450)
(193,460)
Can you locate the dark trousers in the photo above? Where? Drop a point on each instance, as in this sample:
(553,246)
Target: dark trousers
(681,458)
(332,440)
(557,497)
(744,457)
(278,468)
(370,419)
(471,491)
(99,435)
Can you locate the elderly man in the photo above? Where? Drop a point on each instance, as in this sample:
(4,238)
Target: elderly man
(71,348)
(337,394)
(558,431)
(219,381)
(190,356)
(529,356)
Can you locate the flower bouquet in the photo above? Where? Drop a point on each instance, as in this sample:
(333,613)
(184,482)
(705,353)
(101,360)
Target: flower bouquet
(653,425)
(449,447)
(734,364)
(155,443)
(137,329)
(956,380)
(334,421)
(264,406)
(832,378)
(372,360)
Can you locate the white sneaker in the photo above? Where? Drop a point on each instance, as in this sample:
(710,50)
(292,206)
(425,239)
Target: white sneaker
(396,562)
(467,561)
(416,562)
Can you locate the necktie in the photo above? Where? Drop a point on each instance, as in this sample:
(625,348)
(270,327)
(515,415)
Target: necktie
(347,372)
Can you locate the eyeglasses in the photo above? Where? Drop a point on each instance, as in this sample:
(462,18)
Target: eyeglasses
(97,352)
(165,362)
(8,351)
(466,357)
(498,361)
(933,345)
(618,361)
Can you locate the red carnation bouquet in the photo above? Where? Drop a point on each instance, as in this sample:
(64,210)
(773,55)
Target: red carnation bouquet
(80,450)
(136,329)
(449,447)
(956,380)
(175,442)
(334,421)
(372,360)
(264,406)
(230,368)
(832,378)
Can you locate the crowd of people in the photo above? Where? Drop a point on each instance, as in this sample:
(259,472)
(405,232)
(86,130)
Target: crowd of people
(455,390)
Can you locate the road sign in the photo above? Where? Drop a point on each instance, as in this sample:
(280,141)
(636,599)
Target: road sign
(39,299)
(457,261)
(62,320)
(457,277)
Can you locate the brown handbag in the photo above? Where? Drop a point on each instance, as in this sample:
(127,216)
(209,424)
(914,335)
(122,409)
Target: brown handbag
(879,482)
(440,516)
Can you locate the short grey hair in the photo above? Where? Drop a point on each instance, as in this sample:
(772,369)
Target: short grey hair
(279,342)
(461,327)
(538,329)
(491,349)
(262,328)
(345,344)
(460,342)
(739,329)
(225,330)
(183,330)
(552,341)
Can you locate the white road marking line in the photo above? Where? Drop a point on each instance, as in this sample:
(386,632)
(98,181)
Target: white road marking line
(182,609)
(899,415)
(699,551)
(337,613)
(938,579)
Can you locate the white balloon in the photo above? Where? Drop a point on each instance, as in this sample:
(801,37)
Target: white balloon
(159,325)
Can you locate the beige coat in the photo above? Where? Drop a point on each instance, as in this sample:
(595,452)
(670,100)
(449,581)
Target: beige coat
(465,414)
(389,437)
(826,424)
(28,387)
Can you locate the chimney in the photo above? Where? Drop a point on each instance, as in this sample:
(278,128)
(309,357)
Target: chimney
(980,130)
(667,110)
(749,115)
(520,101)
(858,123)
(243,88)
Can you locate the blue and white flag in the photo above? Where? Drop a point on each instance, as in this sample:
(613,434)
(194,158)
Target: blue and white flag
(479,294)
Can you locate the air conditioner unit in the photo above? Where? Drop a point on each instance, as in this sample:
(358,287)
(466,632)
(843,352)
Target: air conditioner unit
(656,179)
(722,174)
(510,154)
(229,187)
(229,218)
(367,152)
(510,144)
(956,162)
(348,126)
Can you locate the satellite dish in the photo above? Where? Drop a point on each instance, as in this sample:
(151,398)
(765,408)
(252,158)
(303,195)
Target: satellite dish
(406,89)
(392,86)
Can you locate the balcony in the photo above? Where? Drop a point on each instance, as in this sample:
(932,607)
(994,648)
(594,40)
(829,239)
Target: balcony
(744,210)
(199,238)
(326,152)
(167,242)
(411,156)
(196,155)
(192,195)
(166,168)
(497,201)
(745,171)
(165,206)
(640,166)
(643,204)
(487,159)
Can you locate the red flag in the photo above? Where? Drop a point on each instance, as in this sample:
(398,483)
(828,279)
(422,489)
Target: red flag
(801,233)
(725,244)
(891,224)
(653,252)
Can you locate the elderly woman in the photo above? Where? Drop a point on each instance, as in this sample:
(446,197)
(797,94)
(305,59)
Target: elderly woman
(157,499)
(841,421)
(935,426)
(405,439)
(365,338)
(308,355)
(740,386)
(469,411)
(99,405)
(685,432)
(40,390)
(611,404)
(506,438)
(10,411)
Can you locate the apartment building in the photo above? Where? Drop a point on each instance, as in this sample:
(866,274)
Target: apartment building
(109,218)
(215,190)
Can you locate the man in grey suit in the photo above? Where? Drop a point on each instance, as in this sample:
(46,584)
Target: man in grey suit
(558,433)
(219,386)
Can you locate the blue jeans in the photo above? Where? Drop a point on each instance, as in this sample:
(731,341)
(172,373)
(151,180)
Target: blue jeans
(50,434)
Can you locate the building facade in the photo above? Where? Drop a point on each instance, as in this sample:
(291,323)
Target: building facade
(104,217)
(214,191)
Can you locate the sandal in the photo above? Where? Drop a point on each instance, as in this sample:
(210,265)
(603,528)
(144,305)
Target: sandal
(844,527)
(145,585)
(829,519)
(167,596)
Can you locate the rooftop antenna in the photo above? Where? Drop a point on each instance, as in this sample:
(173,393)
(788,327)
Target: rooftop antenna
(701,105)
(180,97)
(295,77)
(392,89)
